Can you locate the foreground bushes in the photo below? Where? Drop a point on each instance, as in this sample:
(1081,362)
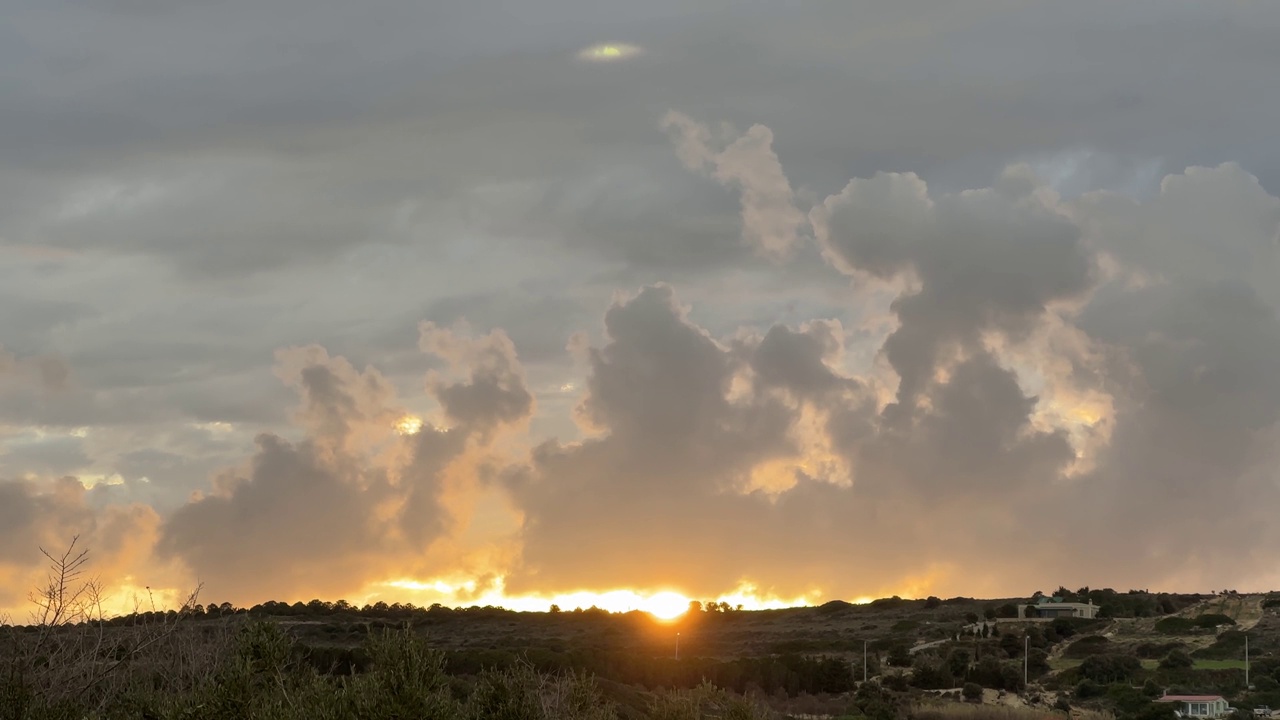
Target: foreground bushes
(265,676)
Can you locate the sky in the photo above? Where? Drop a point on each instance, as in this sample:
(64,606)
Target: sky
(521,302)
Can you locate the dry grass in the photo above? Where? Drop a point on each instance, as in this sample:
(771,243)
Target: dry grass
(969,711)
(68,655)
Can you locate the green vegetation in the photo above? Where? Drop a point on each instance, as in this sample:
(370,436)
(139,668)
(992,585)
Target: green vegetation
(332,659)
(1218,664)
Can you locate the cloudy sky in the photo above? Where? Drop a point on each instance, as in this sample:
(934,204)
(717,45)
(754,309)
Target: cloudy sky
(462,301)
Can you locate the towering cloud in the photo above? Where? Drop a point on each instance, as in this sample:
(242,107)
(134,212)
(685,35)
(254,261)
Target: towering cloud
(353,501)
(1063,380)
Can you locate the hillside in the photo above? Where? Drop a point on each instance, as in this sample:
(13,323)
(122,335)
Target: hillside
(796,660)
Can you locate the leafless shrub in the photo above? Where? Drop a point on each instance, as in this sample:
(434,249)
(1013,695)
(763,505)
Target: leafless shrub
(69,655)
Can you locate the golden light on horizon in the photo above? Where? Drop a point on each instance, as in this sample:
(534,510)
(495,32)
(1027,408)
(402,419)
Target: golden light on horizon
(608,52)
(409,425)
(663,604)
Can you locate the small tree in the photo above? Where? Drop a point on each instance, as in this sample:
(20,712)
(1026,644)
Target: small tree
(958,663)
(899,656)
(1177,660)
(972,692)
(928,672)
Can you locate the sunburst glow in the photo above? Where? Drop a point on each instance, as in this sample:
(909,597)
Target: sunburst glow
(409,425)
(662,604)
(609,52)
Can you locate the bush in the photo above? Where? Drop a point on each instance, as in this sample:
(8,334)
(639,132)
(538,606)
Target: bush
(1087,647)
(1177,660)
(895,681)
(1151,651)
(1155,711)
(1088,689)
(1175,625)
(929,673)
(1110,668)
(1229,645)
(899,656)
(972,692)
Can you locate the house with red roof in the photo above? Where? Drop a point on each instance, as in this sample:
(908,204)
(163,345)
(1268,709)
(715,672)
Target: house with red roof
(1199,706)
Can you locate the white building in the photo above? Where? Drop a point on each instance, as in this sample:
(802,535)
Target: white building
(1199,706)
(1052,609)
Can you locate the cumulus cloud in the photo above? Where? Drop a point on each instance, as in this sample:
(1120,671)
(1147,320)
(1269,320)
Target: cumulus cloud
(352,501)
(770,220)
(494,392)
(1023,344)
(981,260)
(37,515)
(1060,380)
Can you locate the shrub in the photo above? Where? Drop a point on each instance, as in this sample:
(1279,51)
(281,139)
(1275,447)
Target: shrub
(895,681)
(1110,668)
(1177,660)
(899,656)
(1151,651)
(928,672)
(1229,645)
(972,692)
(1089,689)
(1175,625)
(1087,646)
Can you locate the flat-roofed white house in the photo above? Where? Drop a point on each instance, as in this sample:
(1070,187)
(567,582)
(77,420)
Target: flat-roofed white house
(1048,608)
(1199,706)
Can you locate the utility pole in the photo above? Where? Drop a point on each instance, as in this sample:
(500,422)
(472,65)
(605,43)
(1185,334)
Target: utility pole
(677,646)
(1026,657)
(1246,662)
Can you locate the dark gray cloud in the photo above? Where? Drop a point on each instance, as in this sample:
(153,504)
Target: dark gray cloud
(186,187)
(984,260)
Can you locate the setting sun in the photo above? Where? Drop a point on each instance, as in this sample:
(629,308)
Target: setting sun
(409,425)
(662,604)
(666,605)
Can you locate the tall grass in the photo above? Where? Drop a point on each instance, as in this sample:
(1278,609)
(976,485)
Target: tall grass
(966,711)
(69,665)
